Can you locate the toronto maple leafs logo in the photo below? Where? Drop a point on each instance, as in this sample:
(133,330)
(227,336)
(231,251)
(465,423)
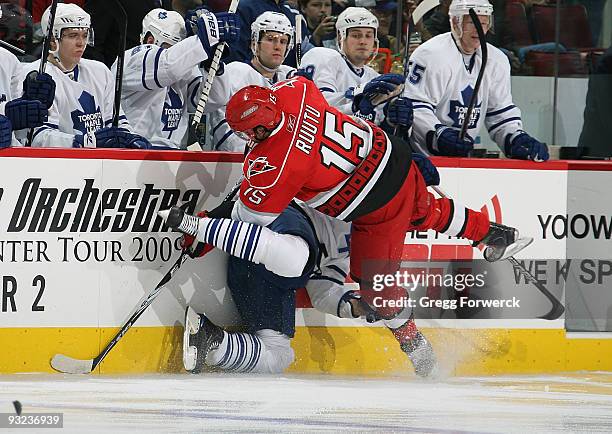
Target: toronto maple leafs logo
(88,120)
(162,15)
(458,109)
(172,111)
(258,166)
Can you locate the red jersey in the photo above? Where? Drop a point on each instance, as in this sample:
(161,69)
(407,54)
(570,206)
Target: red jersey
(334,162)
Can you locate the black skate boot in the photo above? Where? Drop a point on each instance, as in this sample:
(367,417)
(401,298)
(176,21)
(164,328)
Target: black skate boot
(421,354)
(502,242)
(199,338)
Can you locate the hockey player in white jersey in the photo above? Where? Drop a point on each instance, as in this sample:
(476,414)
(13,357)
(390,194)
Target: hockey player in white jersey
(441,82)
(346,80)
(19,110)
(161,77)
(272,38)
(82,111)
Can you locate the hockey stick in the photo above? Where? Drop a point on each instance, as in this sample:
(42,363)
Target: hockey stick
(298,40)
(474,97)
(45,55)
(416,16)
(212,72)
(557,308)
(122,21)
(12,47)
(68,365)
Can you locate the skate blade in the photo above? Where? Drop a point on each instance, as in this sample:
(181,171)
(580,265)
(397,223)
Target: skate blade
(516,247)
(192,324)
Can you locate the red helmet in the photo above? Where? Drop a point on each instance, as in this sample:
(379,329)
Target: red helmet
(251,107)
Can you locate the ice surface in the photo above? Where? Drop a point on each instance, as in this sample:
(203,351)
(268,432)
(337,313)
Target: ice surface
(301,403)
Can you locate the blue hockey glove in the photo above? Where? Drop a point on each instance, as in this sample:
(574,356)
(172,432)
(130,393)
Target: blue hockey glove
(111,137)
(427,169)
(524,147)
(307,71)
(398,112)
(6,130)
(214,28)
(25,113)
(39,87)
(446,142)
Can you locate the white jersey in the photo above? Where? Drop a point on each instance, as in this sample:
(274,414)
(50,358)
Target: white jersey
(334,76)
(10,79)
(83,103)
(440,85)
(160,88)
(326,285)
(236,76)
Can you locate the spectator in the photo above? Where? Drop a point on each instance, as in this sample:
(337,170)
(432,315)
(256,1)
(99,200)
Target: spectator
(248,11)
(182,6)
(16,28)
(321,24)
(384,12)
(438,22)
(595,137)
(107,31)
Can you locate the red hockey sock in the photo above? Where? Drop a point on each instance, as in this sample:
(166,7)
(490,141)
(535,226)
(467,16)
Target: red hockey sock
(405,332)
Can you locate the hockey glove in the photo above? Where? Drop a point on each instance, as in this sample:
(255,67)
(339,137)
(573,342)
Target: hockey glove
(111,137)
(205,64)
(39,87)
(427,169)
(6,130)
(445,142)
(214,28)
(524,147)
(195,249)
(351,305)
(307,72)
(25,113)
(399,113)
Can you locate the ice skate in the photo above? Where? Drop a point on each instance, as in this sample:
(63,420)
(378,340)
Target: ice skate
(502,242)
(200,336)
(421,354)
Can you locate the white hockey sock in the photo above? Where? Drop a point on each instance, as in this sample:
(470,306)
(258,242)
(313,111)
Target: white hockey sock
(266,351)
(283,254)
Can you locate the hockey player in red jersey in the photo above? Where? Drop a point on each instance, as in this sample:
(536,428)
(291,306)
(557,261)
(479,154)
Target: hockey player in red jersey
(347,168)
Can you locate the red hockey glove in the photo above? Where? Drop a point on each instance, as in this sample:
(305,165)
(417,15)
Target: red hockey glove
(195,249)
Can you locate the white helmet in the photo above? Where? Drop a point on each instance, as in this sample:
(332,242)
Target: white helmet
(271,22)
(353,17)
(459,8)
(67,16)
(165,27)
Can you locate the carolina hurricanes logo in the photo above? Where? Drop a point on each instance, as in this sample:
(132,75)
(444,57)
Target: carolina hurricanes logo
(258,166)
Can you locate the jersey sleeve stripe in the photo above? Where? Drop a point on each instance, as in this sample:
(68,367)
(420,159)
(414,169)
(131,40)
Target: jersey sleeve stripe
(40,130)
(505,121)
(337,270)
(330,279)
(144,70)
(500,111)
(216,127)
(156,67)
(326,89)
(424,107)
(418,101)
(194,92)
(223,139)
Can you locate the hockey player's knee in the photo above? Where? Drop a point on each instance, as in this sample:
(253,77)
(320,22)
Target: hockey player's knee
(277,353)
(388,302)
(287,255)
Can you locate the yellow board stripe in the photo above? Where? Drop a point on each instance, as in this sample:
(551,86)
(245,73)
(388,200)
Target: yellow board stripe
(331,350)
